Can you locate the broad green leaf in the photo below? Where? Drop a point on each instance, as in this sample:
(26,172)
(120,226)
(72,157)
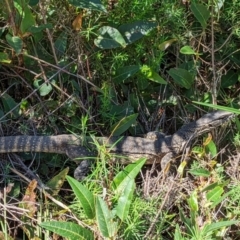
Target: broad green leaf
(188,50)
(68,230)
(215,226)
(212,149)
(136,30)
(122,179)
(125,72)
(57,181)
(181,77)
(4,58)
(88,4)
(201,13)
(229,79)
(123,125)
(193,201)
(213,185)
(200,172)
(109,38)
(37,29)
(222,198)
(104,219)
(61,43)
(85,197)
(33,2)
(164,45)
(149,73)
(121,110)
(124,201)
(9,105)
(28,20)
(15,42)
(43,88)
(215,194)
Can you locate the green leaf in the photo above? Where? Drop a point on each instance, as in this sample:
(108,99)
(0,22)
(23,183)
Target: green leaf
(164,45)
(200,172)
(37,29)
(136,30)
(43,88)
(68,230)
(208,228)
(227,109)
(212,149)
(181,77)
(4,58)
(152,75)
(15,42)
(85,197)
(193,201)
(125,72)
(109,38)
(104,219)
(89,4)
(215,194)
(124,124)
(61,43)
(57,181)
(188,50)
(177,233)
(9,105)
(122,179)
(124,201)
(229,79)
(201,13)
(28,20)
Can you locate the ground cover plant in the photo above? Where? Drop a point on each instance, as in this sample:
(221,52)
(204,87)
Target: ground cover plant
(119,68)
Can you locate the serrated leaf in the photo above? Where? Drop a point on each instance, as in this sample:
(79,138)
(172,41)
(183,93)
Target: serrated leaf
(201,13)
(123,125)
(136,30)
(121,180)
(125,72)
(85,197)
(68,230)
(88,4)
(181,77)
(104,219)
(15,42)
(109,38)
(124,201)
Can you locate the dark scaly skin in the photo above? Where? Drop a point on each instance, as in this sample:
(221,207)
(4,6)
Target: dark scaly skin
(75,147)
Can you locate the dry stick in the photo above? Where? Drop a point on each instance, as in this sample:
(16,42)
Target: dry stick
(214,84)
(158,213)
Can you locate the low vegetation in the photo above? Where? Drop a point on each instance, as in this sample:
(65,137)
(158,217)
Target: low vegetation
(119,68)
